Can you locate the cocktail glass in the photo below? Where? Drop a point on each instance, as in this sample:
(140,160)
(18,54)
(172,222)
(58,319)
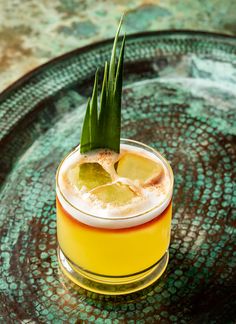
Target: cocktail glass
(118,255)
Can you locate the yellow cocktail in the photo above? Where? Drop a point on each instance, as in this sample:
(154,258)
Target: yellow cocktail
(114,228)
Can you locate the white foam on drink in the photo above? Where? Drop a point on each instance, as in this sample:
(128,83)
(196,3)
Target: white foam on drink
(150,202)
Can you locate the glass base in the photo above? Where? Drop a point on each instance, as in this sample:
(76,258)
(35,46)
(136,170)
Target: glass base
(109,285)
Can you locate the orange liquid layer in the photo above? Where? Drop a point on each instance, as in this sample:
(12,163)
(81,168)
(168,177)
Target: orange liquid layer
(113,252)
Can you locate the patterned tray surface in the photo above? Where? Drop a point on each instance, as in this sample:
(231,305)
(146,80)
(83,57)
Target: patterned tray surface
(179,97)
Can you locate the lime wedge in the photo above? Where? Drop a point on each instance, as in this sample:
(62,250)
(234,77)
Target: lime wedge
(137,167)
(89,175)
(115,194)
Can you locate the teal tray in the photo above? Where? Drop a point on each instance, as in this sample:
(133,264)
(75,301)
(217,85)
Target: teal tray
(179,97)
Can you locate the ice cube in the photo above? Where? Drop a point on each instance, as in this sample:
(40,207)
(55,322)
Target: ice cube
(116,194)
(137,167)
(89,175)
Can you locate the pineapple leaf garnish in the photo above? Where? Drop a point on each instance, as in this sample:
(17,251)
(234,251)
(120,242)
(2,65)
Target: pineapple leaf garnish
(102,129)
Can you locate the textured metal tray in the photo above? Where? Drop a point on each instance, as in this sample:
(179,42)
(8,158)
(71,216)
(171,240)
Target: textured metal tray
(179,97)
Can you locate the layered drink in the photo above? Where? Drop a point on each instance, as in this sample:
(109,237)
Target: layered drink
(114,217)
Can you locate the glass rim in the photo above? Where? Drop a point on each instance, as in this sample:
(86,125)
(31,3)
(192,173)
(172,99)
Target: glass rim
(122,141)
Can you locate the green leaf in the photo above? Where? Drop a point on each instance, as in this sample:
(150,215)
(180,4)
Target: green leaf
(103,105)
(103,130)
(94,114)
(113,116)
(111,76)
(85,136)
(119,72)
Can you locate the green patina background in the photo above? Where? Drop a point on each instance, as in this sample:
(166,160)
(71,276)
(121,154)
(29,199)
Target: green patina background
(179,97)
(32,32)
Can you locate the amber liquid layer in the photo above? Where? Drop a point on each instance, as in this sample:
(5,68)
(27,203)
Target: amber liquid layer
(113,252)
